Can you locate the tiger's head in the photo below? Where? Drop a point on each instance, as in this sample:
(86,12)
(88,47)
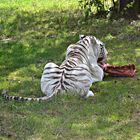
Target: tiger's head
(96,47)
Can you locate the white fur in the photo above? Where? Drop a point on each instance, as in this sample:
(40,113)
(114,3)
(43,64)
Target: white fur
(83,71)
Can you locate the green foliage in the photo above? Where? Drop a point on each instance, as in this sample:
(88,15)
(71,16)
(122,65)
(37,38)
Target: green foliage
(32,36)
(88,5)
(112,9)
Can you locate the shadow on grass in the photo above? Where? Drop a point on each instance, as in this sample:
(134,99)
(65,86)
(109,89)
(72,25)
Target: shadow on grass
(44,35)
(108,116)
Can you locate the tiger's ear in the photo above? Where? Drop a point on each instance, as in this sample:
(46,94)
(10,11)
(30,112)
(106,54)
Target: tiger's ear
(93,40)
(81,37)
(99,42)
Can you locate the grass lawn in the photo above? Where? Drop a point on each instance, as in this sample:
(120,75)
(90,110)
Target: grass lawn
(34,32)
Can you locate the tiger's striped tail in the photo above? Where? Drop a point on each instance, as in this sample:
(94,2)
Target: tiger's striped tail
(18,98)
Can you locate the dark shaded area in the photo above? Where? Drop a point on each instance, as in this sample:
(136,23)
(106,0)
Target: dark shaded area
(130,9)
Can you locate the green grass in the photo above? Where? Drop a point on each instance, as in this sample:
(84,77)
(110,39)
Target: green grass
(33,33)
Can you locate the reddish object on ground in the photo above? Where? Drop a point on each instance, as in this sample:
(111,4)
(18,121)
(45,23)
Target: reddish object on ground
(125,70)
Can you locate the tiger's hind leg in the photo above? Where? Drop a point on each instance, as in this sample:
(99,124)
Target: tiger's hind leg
(50,79)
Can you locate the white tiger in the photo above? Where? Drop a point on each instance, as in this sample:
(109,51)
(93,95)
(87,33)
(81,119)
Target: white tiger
(77,72)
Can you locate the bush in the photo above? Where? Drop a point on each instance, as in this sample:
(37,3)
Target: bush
(88,5)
